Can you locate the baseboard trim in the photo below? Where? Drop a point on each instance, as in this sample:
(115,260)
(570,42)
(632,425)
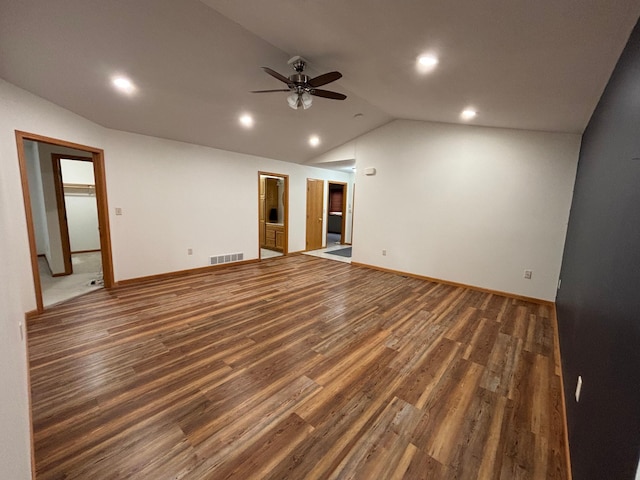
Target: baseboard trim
(456,284)
(86,251)
(556,348)
(181,273)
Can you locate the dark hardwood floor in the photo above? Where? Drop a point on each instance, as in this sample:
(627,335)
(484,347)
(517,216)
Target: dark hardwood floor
(296,368)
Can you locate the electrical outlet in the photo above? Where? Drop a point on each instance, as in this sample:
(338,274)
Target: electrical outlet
(528,274)
(189,251)
(578,388)
(384,252)
(118,211)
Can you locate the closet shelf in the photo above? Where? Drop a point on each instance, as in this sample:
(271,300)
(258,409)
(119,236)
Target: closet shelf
(79,189)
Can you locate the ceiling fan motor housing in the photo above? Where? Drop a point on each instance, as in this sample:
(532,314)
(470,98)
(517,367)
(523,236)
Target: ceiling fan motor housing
(297,63)
(299,78)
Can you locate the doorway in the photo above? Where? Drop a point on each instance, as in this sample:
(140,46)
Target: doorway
(41,162)
(315,204)
(273,214)
(336,213)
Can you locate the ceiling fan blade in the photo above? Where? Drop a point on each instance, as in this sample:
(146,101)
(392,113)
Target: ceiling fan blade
(327,94)
(267,91)
(324,79)
(275,74)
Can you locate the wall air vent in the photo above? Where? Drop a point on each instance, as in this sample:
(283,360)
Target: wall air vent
(226,258)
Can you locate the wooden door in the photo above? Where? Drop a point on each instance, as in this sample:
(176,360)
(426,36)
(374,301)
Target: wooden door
(62,209)
(261,210)
(315,202)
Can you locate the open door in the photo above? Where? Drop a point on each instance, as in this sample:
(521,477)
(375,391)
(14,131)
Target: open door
(62,208)
(315,202)
(97,157)
(273,214)
(337,210)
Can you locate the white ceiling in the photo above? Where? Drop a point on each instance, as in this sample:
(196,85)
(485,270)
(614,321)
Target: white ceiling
(538,65)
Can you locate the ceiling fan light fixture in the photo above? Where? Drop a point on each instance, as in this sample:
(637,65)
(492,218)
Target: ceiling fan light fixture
(306,100)
(292,100)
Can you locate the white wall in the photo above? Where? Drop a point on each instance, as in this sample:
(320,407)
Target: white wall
(82,209)
(465,204)
(54,253)
(176,196)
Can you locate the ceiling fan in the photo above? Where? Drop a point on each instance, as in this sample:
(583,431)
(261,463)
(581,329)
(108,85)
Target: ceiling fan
(301,86)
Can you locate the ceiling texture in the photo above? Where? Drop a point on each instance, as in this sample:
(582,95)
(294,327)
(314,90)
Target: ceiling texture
(537,65)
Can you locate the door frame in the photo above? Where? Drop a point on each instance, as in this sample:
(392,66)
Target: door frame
(285,202)
(97,157)
(343,228)
(58,182)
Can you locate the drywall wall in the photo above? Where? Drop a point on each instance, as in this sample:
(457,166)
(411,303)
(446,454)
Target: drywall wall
(598,302)
(54,253)
(465,204)
(15,456)
(81,208)
(175,196)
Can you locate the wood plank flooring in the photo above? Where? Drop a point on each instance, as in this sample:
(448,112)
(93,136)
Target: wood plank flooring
(296,368)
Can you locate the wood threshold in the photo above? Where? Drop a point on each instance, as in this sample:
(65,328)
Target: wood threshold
(456,284)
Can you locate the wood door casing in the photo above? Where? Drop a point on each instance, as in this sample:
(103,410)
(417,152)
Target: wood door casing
(315,203)
(97,157)
(62,208)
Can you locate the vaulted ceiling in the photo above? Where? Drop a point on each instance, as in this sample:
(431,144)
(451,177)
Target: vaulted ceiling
(539,65)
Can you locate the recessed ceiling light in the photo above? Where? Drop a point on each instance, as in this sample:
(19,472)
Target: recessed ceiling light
(314,140)
(468,114)
(123,84)
(246,120)
(426,63)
